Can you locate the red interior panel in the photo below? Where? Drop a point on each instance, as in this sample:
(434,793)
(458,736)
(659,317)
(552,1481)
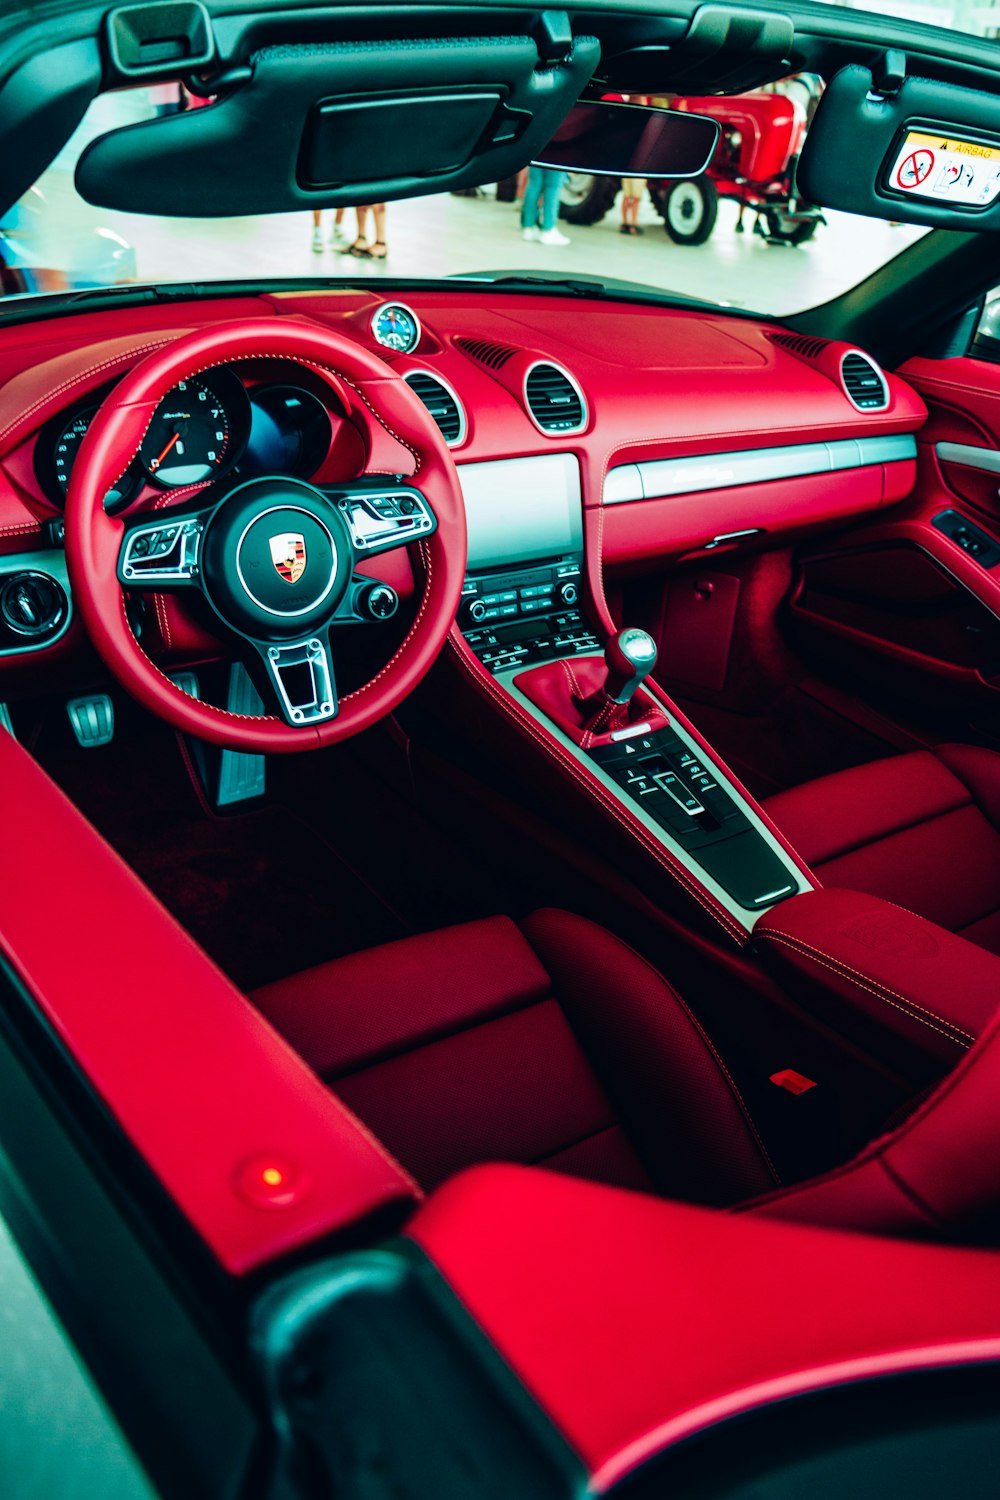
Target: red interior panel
(699,1315)
(232,1101)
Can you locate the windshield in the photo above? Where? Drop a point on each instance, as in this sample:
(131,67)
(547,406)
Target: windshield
(735,236)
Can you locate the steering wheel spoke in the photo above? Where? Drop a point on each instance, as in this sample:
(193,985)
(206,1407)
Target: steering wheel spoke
(382,512)
(163,553)
(298,675)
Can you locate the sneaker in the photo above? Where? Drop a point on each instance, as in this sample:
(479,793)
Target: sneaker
(553,237)
(531,233)
(337,237)
(317,242)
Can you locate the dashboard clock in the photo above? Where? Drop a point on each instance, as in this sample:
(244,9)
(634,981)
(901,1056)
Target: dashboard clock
(396,326)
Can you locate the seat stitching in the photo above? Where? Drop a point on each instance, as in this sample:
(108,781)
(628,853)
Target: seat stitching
(875,988)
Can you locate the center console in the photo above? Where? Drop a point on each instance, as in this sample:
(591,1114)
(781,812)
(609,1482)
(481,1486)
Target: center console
(521,616)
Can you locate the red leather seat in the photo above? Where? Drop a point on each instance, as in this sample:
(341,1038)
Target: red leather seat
(922,830)
(546,1042)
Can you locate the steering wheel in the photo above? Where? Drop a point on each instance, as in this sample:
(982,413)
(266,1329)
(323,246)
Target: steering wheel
(273,557)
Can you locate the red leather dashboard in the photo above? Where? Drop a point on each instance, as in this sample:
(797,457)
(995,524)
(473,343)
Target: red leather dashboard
(659,383)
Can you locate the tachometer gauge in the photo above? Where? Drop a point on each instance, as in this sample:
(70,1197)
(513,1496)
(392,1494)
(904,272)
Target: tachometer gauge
(396,326)
(198,430)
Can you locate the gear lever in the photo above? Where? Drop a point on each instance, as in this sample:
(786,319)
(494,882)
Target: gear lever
(630,656)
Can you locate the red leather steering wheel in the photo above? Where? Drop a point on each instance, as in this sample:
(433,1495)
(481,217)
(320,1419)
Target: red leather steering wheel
(273,557)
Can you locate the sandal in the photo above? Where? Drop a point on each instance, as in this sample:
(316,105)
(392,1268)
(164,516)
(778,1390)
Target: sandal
(378,250)
(359,249)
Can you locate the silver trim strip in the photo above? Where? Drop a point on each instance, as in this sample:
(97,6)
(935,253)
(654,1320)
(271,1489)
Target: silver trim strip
(743,915)
(986,459)
(659,478)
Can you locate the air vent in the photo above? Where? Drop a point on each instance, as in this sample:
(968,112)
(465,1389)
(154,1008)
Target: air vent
(801,344)
(442,403)
(554,400)
(864,382)
(494,356)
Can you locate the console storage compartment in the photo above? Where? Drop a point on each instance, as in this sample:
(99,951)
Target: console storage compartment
(913,994)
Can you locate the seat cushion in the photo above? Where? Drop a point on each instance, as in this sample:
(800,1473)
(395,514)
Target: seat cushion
(920,830)
(550,1043)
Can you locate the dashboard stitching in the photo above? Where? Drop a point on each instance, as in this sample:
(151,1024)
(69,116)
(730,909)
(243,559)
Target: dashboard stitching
(875,988)
(661,855)
(78,379)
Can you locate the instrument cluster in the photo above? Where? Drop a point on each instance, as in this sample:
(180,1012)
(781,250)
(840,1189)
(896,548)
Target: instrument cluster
(208,426)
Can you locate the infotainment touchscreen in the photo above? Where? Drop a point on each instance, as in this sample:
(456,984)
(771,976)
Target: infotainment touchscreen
(522,509)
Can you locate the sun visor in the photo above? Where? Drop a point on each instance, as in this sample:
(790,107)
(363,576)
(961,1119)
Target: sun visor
(909,149)
(347,123)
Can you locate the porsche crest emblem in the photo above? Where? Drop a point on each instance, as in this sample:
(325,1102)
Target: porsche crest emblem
(288,553)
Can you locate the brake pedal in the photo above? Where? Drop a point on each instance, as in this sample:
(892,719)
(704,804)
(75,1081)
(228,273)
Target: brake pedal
(242,776)
(92,720)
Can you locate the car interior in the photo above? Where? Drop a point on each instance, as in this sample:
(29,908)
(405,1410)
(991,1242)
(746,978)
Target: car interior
(500,898)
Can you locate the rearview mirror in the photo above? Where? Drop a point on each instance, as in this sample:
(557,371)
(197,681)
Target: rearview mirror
(631,140)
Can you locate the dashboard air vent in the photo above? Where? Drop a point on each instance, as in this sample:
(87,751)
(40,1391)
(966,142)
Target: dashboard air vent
(802,344)
(494,356)
(442,403)
(864,382)
(554,400)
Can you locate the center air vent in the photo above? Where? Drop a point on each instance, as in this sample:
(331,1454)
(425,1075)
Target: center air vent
(554,400)
(864,382)
(442,403)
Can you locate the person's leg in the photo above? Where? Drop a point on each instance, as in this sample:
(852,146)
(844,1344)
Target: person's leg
(532,193)
(379,248)
(360,245)
(317,234)
(337,232)
(551,189)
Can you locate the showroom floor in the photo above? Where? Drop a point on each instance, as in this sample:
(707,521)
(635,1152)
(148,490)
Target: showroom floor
(445,235)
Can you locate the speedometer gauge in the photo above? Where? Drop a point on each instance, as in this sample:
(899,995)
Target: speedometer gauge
(62,451)
(396,326)
(198,430)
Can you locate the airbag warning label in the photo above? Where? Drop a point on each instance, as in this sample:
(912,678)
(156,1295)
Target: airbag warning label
(950,170)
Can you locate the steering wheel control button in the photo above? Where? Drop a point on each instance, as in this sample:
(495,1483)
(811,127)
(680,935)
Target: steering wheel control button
(157,555)
(378,520)
(32,605)
(381,602)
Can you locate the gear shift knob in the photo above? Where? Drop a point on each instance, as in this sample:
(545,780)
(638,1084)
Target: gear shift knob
(630,656)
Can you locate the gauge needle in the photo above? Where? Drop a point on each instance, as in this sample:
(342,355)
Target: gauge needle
(158,461)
